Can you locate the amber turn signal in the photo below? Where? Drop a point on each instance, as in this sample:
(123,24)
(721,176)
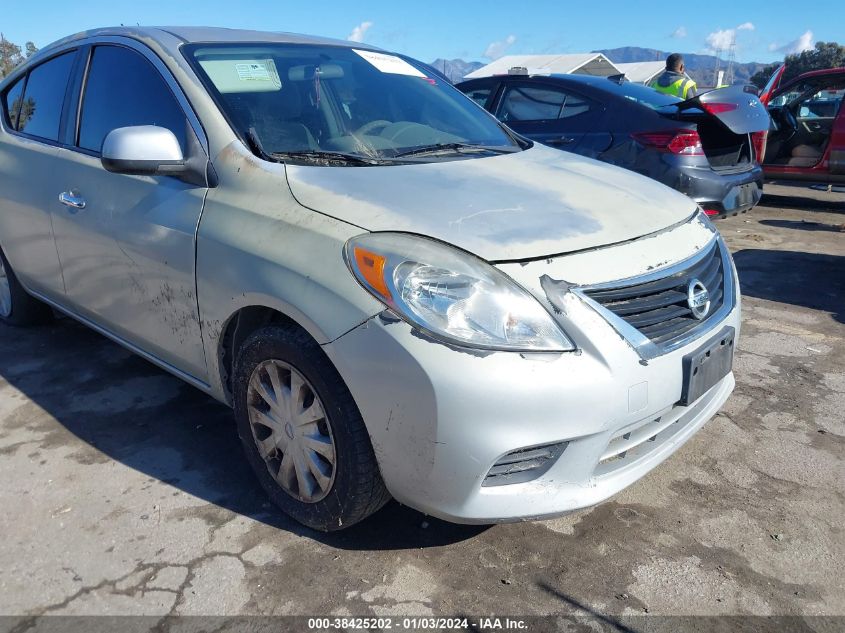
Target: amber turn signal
(371,267)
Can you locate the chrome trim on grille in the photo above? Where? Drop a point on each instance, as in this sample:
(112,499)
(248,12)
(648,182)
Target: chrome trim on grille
(643,345)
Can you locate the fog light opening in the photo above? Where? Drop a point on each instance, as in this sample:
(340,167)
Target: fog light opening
(524,464)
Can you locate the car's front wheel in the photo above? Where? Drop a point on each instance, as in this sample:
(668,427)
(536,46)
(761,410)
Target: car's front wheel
(302,431)
(16,306)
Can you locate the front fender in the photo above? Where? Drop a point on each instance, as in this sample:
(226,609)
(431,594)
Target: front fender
(256,246)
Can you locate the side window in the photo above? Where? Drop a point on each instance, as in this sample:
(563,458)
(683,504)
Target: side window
(12,103)
(480,95)
(531,103)
(573,106)
(820,105)
(124,89)
(40,110)
(540,103)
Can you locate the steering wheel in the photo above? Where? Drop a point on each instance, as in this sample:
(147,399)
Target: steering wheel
(789,119)
(372,125)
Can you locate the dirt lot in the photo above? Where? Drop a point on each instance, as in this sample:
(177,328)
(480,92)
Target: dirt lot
(124,491)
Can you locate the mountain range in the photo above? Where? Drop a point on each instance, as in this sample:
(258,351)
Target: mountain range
(455,69)
(702,68)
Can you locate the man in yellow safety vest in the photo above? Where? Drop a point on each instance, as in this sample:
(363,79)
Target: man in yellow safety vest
(673,80)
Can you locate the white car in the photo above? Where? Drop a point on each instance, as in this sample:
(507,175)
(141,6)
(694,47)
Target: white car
(396,294)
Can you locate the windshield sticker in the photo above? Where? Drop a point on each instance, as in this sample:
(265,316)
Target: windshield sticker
(253,71)
(242,75)
(389,63)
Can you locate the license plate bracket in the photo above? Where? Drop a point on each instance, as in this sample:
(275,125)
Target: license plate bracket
(741,196)
(707,365)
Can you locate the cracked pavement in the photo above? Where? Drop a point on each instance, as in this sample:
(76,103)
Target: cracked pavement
(124,490)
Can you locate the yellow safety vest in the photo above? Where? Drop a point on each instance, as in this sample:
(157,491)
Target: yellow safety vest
(678,88)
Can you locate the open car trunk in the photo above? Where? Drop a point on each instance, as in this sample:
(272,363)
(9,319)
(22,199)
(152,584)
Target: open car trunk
(725,120)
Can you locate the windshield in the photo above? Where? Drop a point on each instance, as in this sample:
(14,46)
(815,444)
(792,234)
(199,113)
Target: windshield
(314,101)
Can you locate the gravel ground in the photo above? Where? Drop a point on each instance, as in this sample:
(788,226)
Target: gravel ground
(124,491)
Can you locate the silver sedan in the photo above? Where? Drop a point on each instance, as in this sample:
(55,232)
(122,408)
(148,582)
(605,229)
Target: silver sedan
(397,295)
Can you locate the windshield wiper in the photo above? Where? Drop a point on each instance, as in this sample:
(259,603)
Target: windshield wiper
(438,148)
(318,156)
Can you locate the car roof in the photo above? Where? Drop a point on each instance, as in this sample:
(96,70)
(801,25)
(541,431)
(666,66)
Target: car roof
(539,76)
(164,36)
(600,82)
(819,73)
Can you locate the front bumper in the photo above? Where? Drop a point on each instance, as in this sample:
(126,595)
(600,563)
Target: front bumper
(440,417)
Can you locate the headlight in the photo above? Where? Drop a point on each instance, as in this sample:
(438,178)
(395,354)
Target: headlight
(452,295)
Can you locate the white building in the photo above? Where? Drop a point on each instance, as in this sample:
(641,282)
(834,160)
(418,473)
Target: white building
(574,64)
(642,72)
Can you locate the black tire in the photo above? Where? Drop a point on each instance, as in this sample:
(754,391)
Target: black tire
(25,310)
(357,490)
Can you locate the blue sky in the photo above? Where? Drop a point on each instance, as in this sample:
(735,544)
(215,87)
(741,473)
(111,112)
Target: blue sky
(470,29)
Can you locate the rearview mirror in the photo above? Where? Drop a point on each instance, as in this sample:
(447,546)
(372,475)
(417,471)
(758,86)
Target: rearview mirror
(143,150)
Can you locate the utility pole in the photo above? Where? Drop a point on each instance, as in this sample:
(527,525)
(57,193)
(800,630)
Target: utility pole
(716,75)
(729,75)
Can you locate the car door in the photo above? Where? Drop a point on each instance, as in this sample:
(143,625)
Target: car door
(837,139)
(814,102)
(552,115)
(816,112)
(33,105)
(772,85)
(127,243)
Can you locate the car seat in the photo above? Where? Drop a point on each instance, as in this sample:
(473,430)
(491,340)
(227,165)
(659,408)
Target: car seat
(275,117)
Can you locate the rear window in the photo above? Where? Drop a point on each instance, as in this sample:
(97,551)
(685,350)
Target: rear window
(644,95)
(41,108)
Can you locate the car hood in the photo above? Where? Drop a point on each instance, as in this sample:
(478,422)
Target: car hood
(511,207)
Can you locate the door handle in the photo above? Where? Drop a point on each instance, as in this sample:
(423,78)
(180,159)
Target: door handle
(562,140)
(72,199)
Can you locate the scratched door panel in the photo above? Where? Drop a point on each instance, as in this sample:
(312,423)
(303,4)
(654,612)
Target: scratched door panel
(128,257)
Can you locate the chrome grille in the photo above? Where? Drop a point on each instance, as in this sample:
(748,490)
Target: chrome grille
(659,308)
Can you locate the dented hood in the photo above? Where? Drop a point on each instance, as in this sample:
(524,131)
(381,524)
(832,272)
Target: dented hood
(508,207)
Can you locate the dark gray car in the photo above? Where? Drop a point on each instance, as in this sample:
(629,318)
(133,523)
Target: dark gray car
(705,147)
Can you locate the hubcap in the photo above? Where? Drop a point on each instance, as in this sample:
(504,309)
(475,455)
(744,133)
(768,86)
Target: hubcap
(291,431)
(5,292)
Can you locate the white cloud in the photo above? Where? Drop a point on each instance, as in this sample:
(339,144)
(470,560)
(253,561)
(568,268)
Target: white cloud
(725,38)
(679,33)
(359,32)
(496,49)
(719,40)
(803,43)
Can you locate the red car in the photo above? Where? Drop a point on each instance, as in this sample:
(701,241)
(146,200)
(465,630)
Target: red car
(807,139)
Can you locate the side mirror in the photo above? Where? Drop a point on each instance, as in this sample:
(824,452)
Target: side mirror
(143,150)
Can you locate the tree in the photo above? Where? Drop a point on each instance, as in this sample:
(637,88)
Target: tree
(824,55)
(761,77)
(11,55)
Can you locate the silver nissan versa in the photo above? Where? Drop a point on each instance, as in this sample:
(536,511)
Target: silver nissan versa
(397,295)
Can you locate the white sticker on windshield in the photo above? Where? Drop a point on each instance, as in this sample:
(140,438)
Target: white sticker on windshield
(390,63)
(253,71)
(242,75)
